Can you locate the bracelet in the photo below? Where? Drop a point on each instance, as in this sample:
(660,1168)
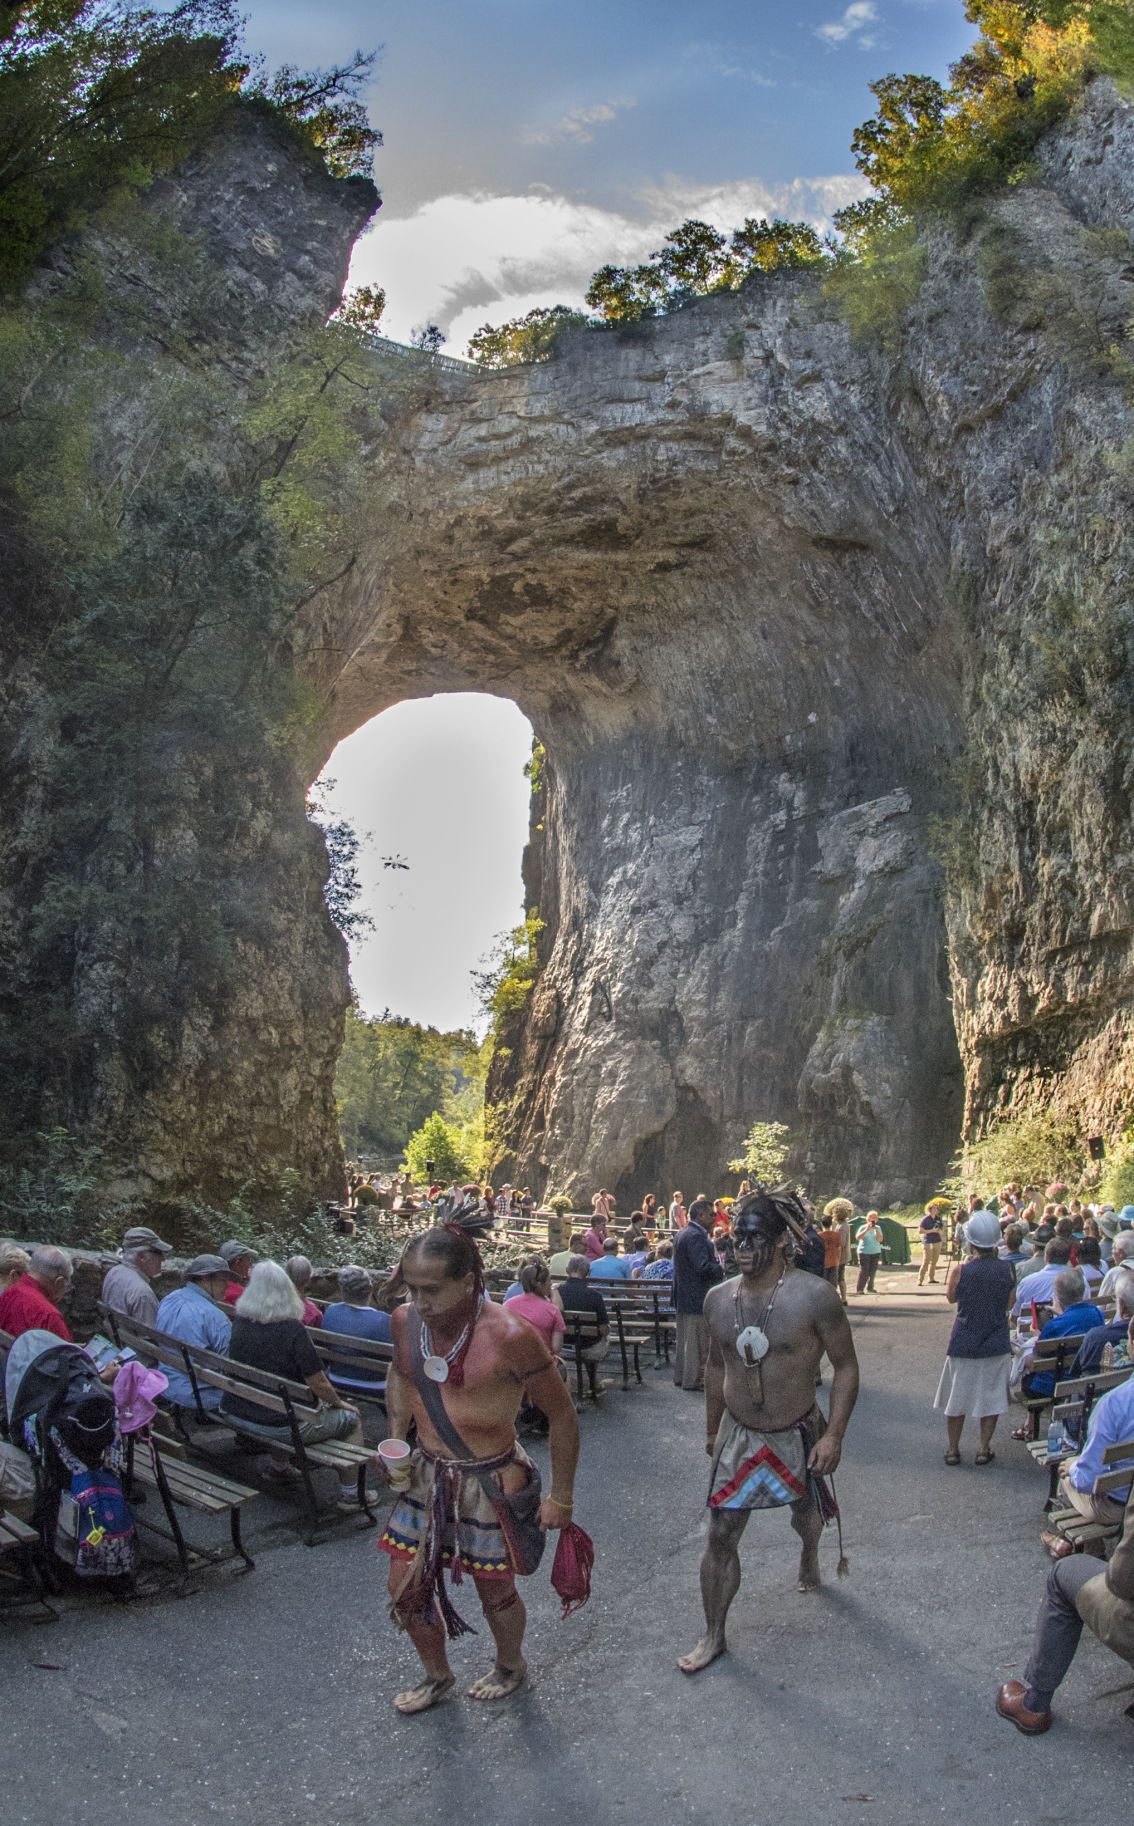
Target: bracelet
(558,1504)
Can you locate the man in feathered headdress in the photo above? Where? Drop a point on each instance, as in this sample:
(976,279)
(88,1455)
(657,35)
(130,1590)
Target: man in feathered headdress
(469,1497)
(769,1441)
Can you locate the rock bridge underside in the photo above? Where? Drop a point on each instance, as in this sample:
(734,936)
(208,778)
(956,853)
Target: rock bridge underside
(757,586)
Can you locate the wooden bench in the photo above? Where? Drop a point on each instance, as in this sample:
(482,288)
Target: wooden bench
(20,1562)
(1080,1529)
(1073,1398)
(162,1464)
(1049,1356)
(340,1353)
(293,1403)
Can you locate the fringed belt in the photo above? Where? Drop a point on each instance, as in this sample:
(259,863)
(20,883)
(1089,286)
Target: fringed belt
(425,1584)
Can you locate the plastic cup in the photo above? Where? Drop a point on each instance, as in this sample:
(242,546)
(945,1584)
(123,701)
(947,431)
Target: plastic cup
(393,1453)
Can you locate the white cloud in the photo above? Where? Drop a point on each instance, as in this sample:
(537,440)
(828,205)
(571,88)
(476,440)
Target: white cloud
(713,60)
(858,16)
(575,126)
(461,260)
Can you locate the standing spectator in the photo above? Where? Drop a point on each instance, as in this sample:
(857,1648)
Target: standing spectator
(191,1314)
(240,1259)
(650,1210)
(602,1205)
(832,1247)
(126,1288)
(299,1274)
(870,1252)
(932,1237)
(842,1211)
(677,1217)
(610,1266)
(695,1270)
(974,1381)
(32,1302)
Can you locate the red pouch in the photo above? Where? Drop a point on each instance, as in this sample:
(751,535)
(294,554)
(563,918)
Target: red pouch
(571,1573)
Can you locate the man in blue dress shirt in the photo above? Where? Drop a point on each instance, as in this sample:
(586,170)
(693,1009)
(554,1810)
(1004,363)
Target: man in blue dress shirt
(191,1314)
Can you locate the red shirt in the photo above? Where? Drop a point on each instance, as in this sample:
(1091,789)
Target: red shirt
(25,1307)
(233,1292)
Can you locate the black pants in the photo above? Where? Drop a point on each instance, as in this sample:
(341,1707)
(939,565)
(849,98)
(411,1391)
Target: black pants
(867,1269)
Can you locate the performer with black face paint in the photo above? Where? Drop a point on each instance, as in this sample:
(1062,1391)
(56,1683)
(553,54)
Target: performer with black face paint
(767,1436)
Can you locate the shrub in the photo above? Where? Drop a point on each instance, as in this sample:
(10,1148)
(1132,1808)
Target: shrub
(766,1147)
(437,1142)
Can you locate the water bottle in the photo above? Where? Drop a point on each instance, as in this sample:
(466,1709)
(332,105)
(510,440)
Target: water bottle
(1054,1438)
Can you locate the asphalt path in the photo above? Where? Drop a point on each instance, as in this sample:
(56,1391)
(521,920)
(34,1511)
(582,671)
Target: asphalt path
(266,1698)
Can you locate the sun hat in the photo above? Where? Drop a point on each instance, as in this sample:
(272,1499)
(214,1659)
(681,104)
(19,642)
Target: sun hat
(982,1231)
(142,1237)
(202,1265)
(233,1250)
(1108,1224)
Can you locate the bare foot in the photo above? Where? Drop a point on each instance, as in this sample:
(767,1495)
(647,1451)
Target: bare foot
(705,1653)
(809,1571)
(499,1682)
(420,1699)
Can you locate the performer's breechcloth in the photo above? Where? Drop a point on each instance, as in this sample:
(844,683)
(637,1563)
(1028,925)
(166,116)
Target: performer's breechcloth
(468,1525)
(754,1470)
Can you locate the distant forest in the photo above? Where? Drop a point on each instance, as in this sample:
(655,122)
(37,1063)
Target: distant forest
(393,1074)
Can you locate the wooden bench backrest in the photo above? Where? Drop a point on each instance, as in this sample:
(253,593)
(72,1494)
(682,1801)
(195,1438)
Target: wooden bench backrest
(581,1322)
(1099,1381)
(339,1348)
(1058,1347)
(1118,1454)
(253,1385)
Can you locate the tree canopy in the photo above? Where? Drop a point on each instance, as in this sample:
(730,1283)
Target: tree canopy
(394,1074)
(101,95)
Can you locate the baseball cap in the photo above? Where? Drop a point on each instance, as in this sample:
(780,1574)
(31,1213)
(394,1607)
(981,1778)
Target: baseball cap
(205,1264)
(234,1248)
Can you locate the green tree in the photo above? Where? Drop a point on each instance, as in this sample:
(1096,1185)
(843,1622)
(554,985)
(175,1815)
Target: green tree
(435,1141)
(766,1147)
(523,339)
(508,971)
(99,97)
(392,1073)
(697,259)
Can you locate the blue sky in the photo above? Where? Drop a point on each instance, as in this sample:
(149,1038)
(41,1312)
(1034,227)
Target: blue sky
(525,146)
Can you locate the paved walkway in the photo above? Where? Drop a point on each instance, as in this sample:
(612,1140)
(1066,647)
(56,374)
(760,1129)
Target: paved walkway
(266,1699)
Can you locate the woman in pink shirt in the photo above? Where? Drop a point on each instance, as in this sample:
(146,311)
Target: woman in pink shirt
(536,1305)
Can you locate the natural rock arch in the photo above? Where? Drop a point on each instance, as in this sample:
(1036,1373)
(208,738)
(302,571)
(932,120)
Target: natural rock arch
(756,585)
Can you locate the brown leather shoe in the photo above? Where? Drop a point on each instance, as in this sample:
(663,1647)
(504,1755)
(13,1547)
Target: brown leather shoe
(1010,1704)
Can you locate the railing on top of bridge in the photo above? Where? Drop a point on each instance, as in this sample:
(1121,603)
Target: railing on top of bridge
(452,363)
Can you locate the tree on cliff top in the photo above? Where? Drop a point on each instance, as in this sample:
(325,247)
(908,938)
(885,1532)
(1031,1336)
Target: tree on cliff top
(97,96)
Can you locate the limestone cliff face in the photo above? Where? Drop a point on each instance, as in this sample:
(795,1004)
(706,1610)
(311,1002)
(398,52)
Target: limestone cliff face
(792,614)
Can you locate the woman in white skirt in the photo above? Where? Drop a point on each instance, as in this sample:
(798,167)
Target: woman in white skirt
(974,1382)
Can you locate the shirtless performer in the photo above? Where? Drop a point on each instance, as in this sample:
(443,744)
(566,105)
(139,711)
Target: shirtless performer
(769,1327)
(483,1360)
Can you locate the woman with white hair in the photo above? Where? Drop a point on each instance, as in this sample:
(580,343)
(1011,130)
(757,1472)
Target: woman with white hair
(268,1333)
